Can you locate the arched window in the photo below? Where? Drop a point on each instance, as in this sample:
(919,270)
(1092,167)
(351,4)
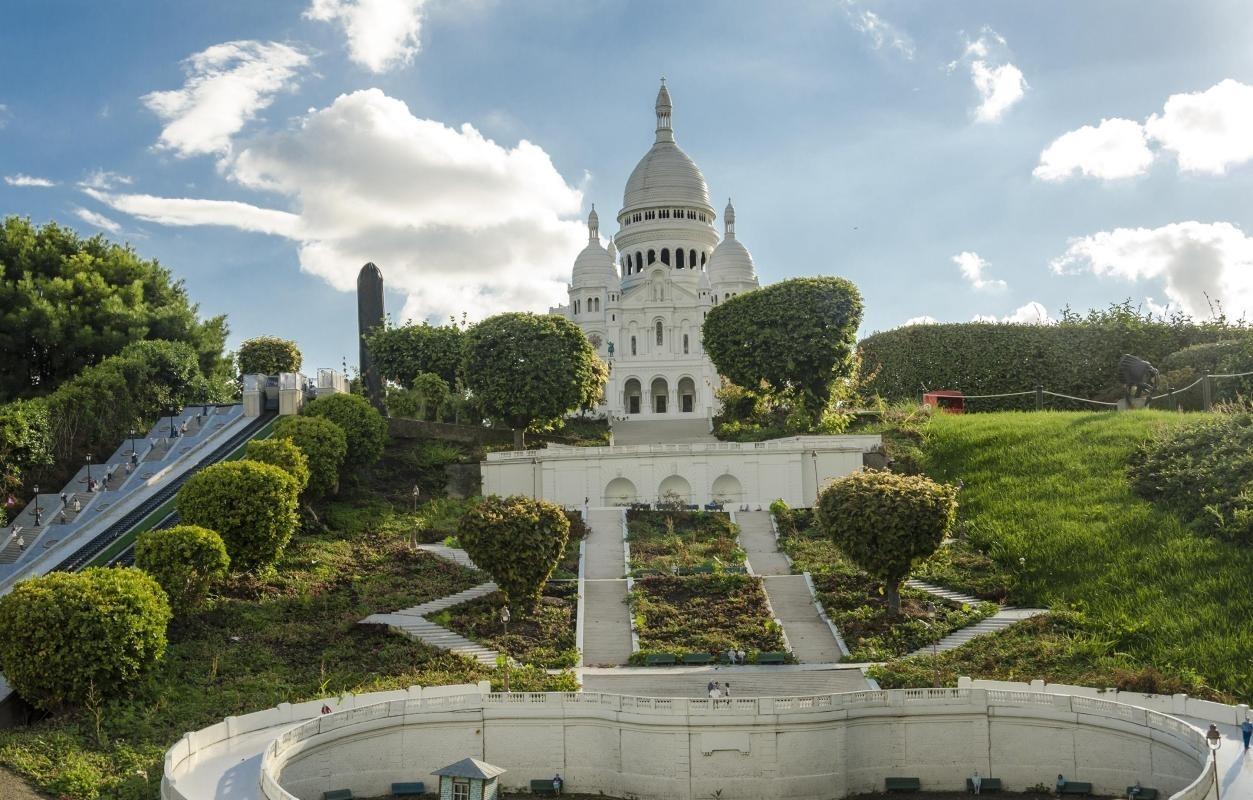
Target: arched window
(702,260)
(576,306)
(685,344)
(597,301)
(678,258)
(659,333)
(652,256)
(639,261)
(665,256)
(632,345)
(627,261)
(691,259)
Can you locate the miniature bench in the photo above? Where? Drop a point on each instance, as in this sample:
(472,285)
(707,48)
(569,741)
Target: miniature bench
(337,794)
(985,785)
(660,660)
(704,569)
(1081,788)
(698,658)
(410,789)
(1145,793)
(902,784)
(771,658)
(543,787)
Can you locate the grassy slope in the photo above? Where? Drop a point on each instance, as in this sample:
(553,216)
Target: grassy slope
(1051,488)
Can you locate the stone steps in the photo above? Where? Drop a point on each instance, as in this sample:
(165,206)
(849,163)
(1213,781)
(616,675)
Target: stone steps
(453,554)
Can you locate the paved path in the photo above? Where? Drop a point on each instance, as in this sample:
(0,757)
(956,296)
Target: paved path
(747,681)
(1002,619)
(1235,765)
(606,618)
(808,634)
(670,431)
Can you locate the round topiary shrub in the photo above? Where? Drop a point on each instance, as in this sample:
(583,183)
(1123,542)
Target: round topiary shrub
(251,505)
(282,453)
(71,637)
(324,444)
(186,560)
(364,427)
(268,355)
(518,541)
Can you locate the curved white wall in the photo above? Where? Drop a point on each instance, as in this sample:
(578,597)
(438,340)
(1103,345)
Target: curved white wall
(751,748)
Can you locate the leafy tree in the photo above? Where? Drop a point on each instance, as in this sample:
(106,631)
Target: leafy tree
(796,336)
(525,369)
(72,637)
(282,453)
(67,302)
(364,427)
(252,506)
(518,541)
(885,522)
(432,392)
(401,354)
(25,442)
(324,444)
(268,355)
(186,560)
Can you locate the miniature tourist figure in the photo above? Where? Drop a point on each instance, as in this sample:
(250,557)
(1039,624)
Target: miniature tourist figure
(78,506)
(1061,783)
(742,656)
(1134,792)
(710,688)
(64,498)
(61,517)
(1246,731)
(726,690)
(557,782)
(976,782)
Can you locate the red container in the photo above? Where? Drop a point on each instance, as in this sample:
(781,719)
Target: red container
(948,400)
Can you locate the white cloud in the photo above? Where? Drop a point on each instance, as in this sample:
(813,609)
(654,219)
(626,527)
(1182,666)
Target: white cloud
(103,179)
(4,115)
(227,85)
(97,220)
(1000,84)
(880,32)
(28,180)
(1116,148)
(1207,131)
(1194,263)
(382,34)
(454,220)
(1032,313)
(925,319)
(972,267)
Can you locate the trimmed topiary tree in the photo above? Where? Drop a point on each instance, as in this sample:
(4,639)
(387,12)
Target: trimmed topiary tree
(364,427)
(794,336)
(186,560)
(251,505)
(525,369)
(886,522)
(282,453)
(72,637)
(518,541)
(324,444)
(268,355)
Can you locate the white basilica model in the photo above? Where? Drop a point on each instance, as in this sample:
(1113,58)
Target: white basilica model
(642,301)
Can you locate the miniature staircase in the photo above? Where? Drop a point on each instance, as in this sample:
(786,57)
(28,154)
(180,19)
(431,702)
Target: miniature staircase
(1002,619)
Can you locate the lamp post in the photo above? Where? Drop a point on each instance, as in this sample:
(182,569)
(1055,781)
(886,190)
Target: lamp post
(37,520)
(504,618)
(1214,738)
(133,435)
(416,491)
(88,459)
(171,423)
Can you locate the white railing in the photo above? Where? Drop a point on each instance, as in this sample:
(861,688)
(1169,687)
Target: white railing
(859,443)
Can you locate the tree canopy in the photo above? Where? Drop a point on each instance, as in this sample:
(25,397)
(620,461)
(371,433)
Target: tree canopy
(68,302)
(186,560)
(251,505)
(794,336)
(364,427)
(401,354)
(518,541)
(268,355)
(324,444)
(525,369)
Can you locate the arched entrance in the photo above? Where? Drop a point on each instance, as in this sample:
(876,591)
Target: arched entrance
(687,395)
(727,490)
(631,393)
(620,492)
(675,487)
(661,394)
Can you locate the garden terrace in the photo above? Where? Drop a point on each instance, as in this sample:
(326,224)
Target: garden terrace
(681,541)
(703,614)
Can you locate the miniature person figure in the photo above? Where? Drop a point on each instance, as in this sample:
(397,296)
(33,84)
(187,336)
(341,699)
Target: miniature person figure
(557,782)
(1134,792)
(78,506)
(726,690)
(39,518)
(1061,783)
(61,517)
(21,544)
(710,688)
(741,655)
(64,498)
(1246,731)
(134,457)
(183,428)
(976,782)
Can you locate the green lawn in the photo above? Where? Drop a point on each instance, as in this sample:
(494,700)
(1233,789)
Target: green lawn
(1047,496)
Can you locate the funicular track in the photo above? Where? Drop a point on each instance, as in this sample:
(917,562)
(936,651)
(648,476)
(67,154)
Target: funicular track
(88,553)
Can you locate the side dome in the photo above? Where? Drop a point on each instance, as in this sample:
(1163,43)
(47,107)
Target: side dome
(665,175)
(731,261)
(594,266)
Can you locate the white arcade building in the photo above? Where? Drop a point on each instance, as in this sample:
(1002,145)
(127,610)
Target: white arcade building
(642,301)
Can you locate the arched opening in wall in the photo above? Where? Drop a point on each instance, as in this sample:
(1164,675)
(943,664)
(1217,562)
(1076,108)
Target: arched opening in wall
(576,306)
(661,332)
(675,488)
(632,345)
(631,393)
(702,260)
(687,391)
(620,492)
(727,490)
(686,350)
(678,258)
(639,261)
(652,256)
(691,258)
(665,256)
(660,391)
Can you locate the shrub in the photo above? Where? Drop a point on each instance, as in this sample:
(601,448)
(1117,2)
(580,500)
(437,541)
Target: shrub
(268,355)
(25,442)
(364,427)
(252,506)
(1228,357)
(885,522)
(282,453)
(324,444)
(69,638)
(401,354)
(186,560)
(518,541)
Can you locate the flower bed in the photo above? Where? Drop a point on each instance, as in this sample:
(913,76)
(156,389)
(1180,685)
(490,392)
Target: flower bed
(703,614)
(679,542)
(544,638)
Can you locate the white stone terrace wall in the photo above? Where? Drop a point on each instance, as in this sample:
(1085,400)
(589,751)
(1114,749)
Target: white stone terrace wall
(750,748)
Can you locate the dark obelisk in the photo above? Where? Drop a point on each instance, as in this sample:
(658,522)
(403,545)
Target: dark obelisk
(369,317)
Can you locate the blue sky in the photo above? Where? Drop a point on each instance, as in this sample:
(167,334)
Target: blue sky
(954,159)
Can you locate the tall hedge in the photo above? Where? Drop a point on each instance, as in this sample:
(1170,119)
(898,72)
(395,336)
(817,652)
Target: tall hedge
(251,505)
(364,427)
(186,560)
(518,541)
(71,637)
(324,444)
(402,354)
(1078,356)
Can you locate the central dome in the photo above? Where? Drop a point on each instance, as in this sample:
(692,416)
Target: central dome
(665,175)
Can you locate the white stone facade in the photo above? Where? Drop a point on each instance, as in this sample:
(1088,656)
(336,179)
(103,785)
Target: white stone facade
(642,301)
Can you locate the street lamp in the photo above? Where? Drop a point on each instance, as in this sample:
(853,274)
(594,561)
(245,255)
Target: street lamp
(88,458)
(1214,738)
(504,647)
(133,435)
(38,522)
(416,492)
(171,423)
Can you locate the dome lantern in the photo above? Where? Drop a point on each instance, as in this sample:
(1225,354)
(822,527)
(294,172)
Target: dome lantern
(593,225)
(728,217)
(664,132)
